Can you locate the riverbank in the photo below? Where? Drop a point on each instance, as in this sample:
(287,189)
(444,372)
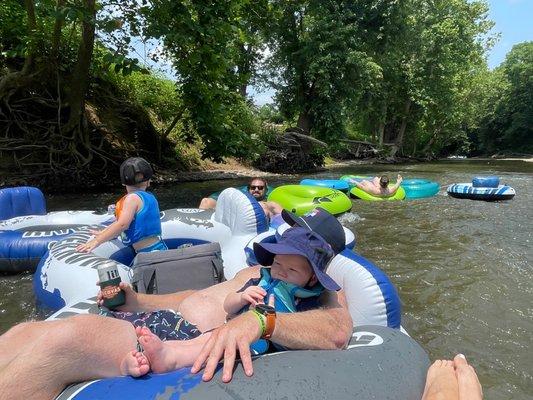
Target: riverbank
(232,169)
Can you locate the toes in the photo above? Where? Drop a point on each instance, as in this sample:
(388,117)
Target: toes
(146,331)
(138,330)
(459,361)
(144,369)
(447,363)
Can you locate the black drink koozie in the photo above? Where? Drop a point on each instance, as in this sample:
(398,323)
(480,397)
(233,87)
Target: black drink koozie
(109,284)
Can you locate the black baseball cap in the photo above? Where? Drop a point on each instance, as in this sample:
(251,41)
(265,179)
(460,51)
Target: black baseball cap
(133,166)
(321,222)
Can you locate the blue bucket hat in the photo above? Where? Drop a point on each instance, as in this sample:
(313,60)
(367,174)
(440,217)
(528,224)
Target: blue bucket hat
(303,242)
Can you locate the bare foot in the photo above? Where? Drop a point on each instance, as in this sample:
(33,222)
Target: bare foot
(469,386)
(134,364)
(441,383)
(162,356)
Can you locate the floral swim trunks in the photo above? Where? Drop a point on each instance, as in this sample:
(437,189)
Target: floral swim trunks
(166,324)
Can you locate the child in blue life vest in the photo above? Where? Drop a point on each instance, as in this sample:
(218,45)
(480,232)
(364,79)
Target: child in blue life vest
(293,282)
(137,213)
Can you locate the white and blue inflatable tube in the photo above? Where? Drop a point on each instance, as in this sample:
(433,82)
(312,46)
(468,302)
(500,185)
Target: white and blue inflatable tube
(379,363)
(65,275)
(469,191)
(371,296)
(25,239)
(378,348)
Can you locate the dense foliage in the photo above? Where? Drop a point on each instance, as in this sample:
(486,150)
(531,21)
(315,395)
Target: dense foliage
(507,123)
(409,76)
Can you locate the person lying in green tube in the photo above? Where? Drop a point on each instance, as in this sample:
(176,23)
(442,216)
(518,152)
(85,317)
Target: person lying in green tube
(380,186)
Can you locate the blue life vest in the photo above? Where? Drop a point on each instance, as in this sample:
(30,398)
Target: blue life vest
(146,221)
(285,295)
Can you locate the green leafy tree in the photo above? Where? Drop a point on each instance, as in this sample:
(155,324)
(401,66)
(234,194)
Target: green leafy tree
(507,123)
(318,65)
(206,43)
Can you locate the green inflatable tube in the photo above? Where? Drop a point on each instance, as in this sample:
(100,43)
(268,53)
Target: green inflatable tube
(361,194)
(300,199)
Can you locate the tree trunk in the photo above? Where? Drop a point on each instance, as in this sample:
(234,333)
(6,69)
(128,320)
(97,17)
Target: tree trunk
(56,38)
(434,137)
(244,68)
(381,126)
(304,122)
(401,132)
(80,77)
(164,135)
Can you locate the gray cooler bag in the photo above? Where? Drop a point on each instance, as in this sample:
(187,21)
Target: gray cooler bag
(169,271)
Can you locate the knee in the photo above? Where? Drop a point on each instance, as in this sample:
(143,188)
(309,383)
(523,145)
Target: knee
(203,203)
(207,203)
(19,329)
(62,336)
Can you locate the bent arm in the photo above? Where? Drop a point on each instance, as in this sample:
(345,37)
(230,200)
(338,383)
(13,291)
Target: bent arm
(395,187)
(153,302)
(274,207)
(140,302)
(131,205)
(326,328)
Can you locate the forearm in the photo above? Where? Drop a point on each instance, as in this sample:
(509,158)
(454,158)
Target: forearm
(153,302)
(395,187)
(233,303)
(316,329)
(111,232)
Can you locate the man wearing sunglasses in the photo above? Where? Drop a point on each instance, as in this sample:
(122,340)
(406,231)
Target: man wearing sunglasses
(258,188)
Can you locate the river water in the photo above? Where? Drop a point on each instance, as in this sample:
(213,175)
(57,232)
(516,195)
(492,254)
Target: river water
(463,268)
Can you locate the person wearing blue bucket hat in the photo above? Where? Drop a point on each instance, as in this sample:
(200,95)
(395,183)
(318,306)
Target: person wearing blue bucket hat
(305,243)
(296,278)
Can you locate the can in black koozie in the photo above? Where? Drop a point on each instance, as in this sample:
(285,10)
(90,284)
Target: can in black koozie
(109,285)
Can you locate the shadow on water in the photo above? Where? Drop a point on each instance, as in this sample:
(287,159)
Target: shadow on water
(463,268)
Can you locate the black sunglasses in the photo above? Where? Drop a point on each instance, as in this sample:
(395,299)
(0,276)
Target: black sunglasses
(253,187)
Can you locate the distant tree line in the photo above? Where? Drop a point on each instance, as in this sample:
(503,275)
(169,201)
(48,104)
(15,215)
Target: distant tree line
(411,74)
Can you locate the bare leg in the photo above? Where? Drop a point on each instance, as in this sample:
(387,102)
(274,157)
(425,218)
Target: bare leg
(170,355)
(204,308)
(207,203)
(76,349)
(21,336)
(469,386)
(441,383)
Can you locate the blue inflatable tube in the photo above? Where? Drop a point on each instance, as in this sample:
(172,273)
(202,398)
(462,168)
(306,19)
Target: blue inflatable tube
(21,250)
(19,201)
(419,188)
(329,183)
(486,181)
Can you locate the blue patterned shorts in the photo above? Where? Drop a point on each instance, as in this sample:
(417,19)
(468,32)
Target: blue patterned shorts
(166,324)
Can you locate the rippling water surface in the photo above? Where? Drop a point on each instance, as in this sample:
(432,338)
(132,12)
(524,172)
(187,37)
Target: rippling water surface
(463,268)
